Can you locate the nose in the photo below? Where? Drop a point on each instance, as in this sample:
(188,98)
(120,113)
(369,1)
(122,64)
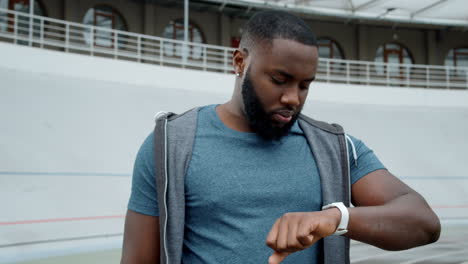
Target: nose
(290,97)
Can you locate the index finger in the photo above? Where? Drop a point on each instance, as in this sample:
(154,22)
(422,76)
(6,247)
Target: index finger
(277,257)
(273,235)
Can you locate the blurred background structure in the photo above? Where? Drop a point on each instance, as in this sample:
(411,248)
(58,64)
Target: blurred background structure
(81,81)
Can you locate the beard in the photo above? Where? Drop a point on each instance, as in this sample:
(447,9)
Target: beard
(260,121)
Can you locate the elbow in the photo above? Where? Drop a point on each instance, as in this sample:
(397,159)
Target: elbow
(429,223)
(429,229)
(426,230)
(433,229)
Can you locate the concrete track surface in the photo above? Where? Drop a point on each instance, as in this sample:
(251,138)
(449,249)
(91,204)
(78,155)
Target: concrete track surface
(452,248)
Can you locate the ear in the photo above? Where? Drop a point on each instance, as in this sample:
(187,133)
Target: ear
(239,59)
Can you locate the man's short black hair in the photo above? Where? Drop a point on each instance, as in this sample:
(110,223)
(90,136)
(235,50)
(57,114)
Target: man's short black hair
(265,26)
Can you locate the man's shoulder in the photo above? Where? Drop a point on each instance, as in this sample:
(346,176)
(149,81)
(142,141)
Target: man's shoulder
(173,117)
(308,122)
(179,126)
(191,113)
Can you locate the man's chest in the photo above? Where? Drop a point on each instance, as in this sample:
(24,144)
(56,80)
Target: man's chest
(226,174)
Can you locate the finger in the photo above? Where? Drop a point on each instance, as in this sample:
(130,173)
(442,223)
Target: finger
(306,240)
(293,243)
(273,235)
(282,240)
(277,257)
(305,234)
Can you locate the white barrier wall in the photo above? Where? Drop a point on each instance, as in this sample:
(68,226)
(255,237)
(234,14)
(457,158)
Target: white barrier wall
(71,126)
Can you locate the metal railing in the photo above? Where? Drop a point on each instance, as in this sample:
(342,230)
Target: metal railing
(71,37)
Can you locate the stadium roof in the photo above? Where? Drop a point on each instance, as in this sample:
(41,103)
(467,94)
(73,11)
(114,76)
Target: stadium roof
(433,12)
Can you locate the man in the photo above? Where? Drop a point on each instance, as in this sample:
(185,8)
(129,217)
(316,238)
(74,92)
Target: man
(259,173)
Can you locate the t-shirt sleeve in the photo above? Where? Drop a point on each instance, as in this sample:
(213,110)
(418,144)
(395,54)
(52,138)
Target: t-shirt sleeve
(367,161)
(143,198)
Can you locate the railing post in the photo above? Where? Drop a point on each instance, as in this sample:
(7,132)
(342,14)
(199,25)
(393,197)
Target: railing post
(204,58)
(161,50)
(328,71)
(15,27)
(347,72)
(67,36)
(368,73)
(184,54)
(116,45)
(139,48)
(31,22)
(466,78)
(427,76)
(91,43)
(184,57)
(408,76)
(387,73)
(225,60)
(447,77)
(42,33)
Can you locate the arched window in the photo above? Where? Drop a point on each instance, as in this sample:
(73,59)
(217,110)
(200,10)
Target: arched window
(329,49)
(175,30)
(104,18)
(457,57)
(7,21)
(393,53)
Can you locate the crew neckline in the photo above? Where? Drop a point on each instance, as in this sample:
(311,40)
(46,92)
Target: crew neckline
(220,125)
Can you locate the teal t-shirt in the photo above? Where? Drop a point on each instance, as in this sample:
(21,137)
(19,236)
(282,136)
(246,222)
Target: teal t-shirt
(236,186)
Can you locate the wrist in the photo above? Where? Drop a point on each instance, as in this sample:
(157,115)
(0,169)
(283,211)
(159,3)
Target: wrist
(334,214)
(341,217)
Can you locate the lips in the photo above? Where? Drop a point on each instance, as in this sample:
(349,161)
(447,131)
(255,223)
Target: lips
(283,116)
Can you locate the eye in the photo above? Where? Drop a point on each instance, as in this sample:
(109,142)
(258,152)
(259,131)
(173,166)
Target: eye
(277,81)
(304,86)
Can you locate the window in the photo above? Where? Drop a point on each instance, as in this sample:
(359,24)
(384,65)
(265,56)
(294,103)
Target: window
(175,30)
(457,57)
(329,49)
(7,21)
(104,18)
(3,16)
(395,54)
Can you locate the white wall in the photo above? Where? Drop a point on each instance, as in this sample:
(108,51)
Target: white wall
(70,126)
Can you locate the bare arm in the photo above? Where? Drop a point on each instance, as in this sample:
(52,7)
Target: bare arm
(389,214)
(141,239)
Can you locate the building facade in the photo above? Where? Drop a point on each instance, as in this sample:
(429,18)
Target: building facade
(220,25)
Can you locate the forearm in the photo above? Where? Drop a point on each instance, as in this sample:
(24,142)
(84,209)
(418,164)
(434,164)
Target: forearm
(405,222)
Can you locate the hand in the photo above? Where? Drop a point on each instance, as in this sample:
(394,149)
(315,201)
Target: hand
(297,231)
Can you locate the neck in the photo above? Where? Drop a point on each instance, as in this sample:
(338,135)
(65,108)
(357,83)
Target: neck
(232,114)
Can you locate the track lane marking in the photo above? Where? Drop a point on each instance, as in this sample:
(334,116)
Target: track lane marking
(67,239)
(434,256)
(68,219)
(449,206)
(421,250)
(65,219)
